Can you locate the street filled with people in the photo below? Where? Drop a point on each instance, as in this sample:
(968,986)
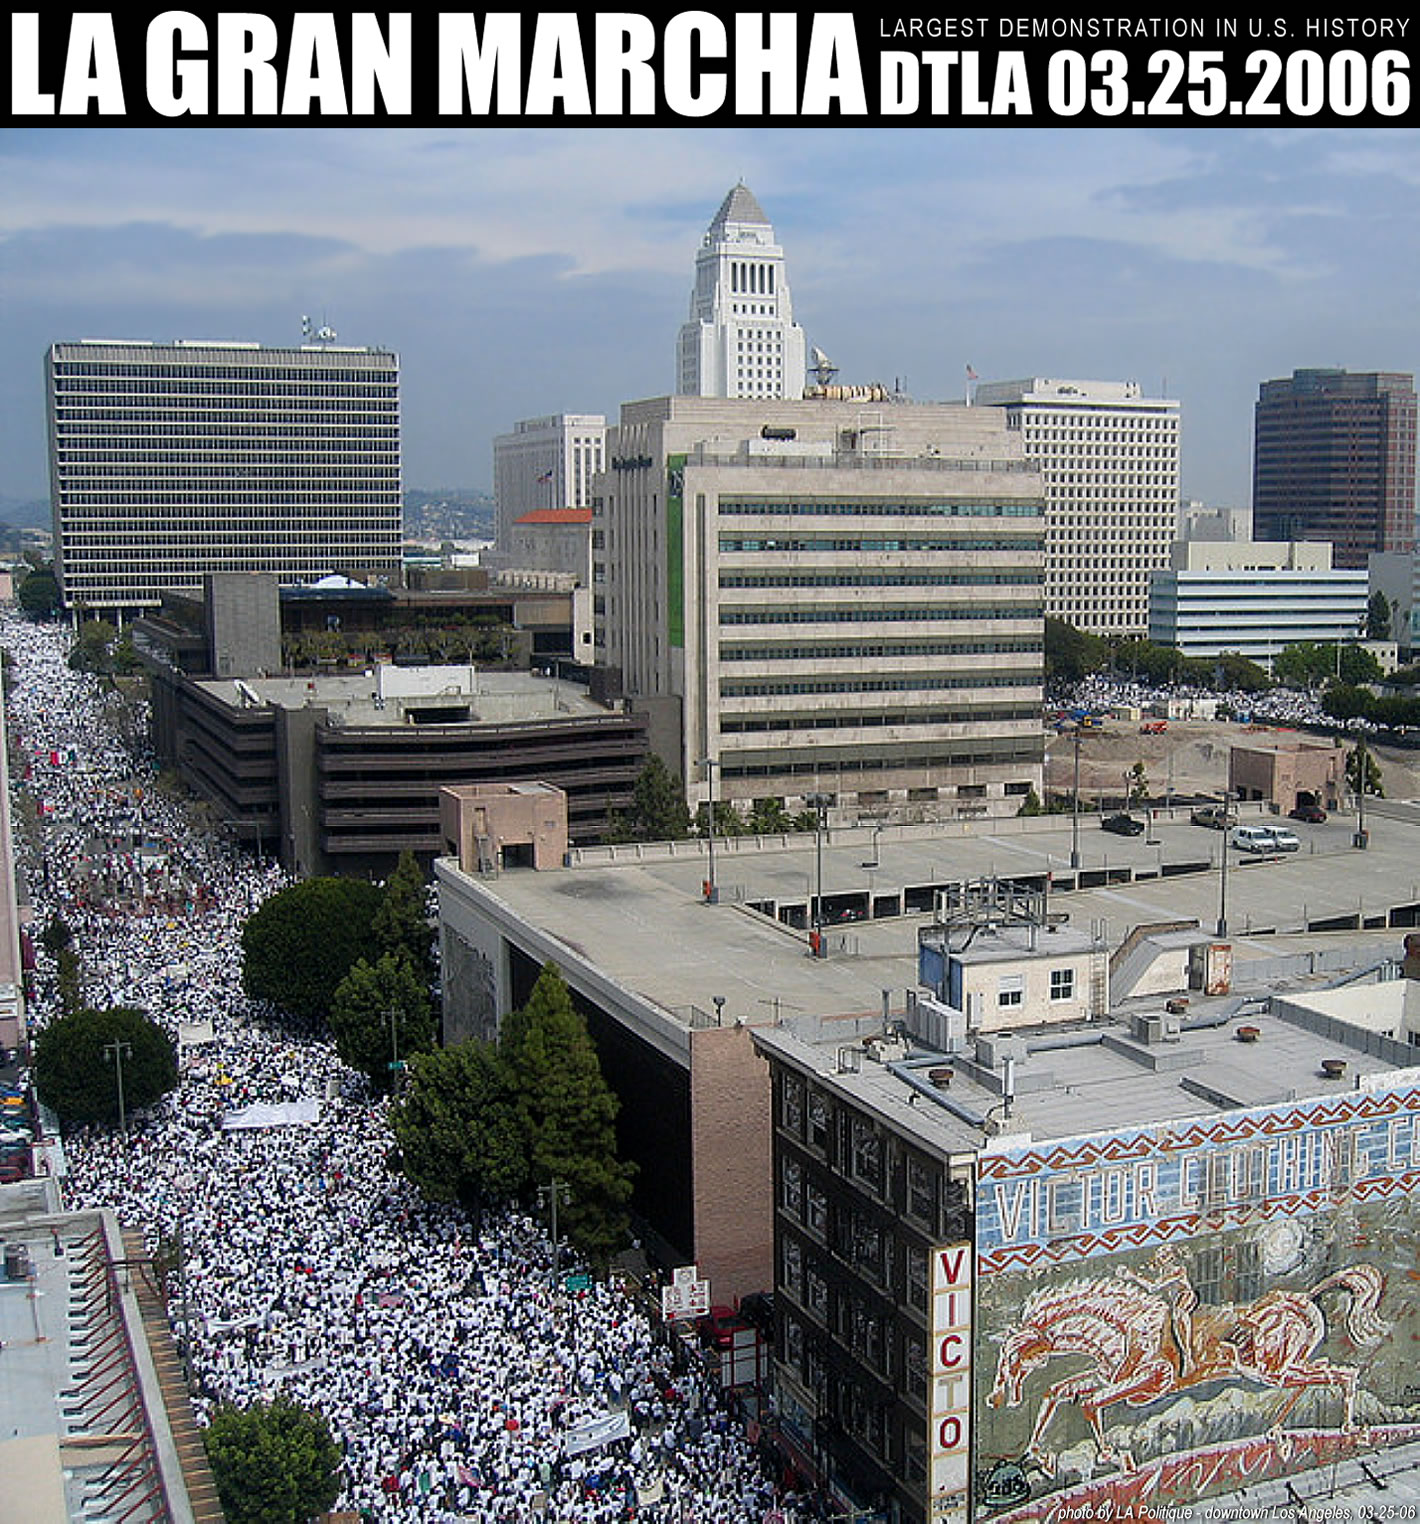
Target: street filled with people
(459,1375)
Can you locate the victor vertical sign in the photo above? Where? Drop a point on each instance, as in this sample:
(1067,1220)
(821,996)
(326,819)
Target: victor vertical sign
(949,1405)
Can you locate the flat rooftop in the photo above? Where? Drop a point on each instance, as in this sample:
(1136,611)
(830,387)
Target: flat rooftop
(1092,1077)
(639,915)
(491,698)
(83,1422)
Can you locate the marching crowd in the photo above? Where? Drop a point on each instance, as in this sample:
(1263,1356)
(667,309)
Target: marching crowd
(461,1378)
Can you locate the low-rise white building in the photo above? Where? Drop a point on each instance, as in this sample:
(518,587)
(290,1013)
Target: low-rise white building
(1254,599)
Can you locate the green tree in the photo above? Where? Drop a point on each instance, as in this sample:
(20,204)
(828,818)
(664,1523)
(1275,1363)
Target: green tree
(1030,804)
(92,650)
(658,809)
(768,817)
(1379,612)
(273,1462)
(401,924)
(1360,764)
(1072,654)
(38,594)
(1239,675)
(458,1127)
(1138,785)
(304,939)
(568,1114)
(379,1015)
(56,935)
(75,1076)
(1359,665)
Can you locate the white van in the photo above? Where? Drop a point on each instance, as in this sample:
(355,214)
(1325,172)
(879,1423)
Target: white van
(1251,838)
(1283,839)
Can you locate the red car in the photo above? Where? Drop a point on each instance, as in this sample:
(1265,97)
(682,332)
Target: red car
(1313,814)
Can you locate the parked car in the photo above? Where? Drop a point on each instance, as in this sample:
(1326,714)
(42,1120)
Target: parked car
(1214,816)
(1123,825)
(1313,814)
(1251,838)
(1284,840)
(1153,727)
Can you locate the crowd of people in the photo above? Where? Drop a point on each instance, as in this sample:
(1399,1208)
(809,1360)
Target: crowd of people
(460,1376)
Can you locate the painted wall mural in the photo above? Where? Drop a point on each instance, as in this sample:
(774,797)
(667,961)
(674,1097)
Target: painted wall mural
(1165,1313)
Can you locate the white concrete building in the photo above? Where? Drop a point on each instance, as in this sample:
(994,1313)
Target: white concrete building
(1110,458)
(822,596)
(741,339)
(168,461)
(545,463)
(1254,599)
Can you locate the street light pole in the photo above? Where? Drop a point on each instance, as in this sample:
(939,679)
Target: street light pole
(1223,875)
(1075,807)
(115,1052)
(819,804)
(392,1011)
(712,892)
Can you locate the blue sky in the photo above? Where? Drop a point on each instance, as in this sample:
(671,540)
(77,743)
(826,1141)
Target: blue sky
(525,272)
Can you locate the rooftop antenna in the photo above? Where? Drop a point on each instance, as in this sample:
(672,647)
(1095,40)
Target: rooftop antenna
(325,334)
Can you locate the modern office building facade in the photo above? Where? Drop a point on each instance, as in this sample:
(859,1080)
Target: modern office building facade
(1110,459)
(545,463)
(169,461)
(741,339)
(1334,459)
(1254,599)
(826,597)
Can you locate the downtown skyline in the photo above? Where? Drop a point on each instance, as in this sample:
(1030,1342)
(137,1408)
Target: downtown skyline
(523,272)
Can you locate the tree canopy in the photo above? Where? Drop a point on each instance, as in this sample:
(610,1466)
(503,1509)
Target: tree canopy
(300,943)
(568,1113)
(658,809)
(38,594)
(459,1132)
(379,1015)
(273,1462)
(401,924)
(75,1075)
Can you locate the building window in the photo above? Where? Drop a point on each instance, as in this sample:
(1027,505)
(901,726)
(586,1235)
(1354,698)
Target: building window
(1062,983)
(816,1215)
(793,1184)
(818,1121)
(1011,991)
(867,1153)
(792,1105)
(921,1192)
(916,1276)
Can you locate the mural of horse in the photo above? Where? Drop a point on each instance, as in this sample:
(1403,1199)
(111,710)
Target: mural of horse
(1146,1337)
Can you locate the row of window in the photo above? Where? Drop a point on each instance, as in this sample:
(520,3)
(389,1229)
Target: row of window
(913,682)
(819,613)
(884,578)
(875,650)
(878,509)
(1019,545)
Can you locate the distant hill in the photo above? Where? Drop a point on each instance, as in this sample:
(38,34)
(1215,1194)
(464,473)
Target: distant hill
(25,513)
(453,513)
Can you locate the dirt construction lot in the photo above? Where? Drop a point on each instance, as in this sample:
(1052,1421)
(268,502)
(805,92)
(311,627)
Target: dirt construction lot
(1191,758)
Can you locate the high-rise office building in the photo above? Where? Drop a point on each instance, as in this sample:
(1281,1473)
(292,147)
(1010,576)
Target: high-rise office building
(545,463)
(825,597)
(170,461)
(1110,458)
(1334,459)
(741,339)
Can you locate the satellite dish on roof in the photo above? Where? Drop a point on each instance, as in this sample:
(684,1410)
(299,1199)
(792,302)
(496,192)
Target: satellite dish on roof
(824,370)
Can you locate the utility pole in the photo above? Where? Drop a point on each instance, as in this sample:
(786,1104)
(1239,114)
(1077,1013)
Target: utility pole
(550,1196)
(712,893)
(392,1011)
(115,1052)
(1075,807)
(1223,875)
(818,803)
